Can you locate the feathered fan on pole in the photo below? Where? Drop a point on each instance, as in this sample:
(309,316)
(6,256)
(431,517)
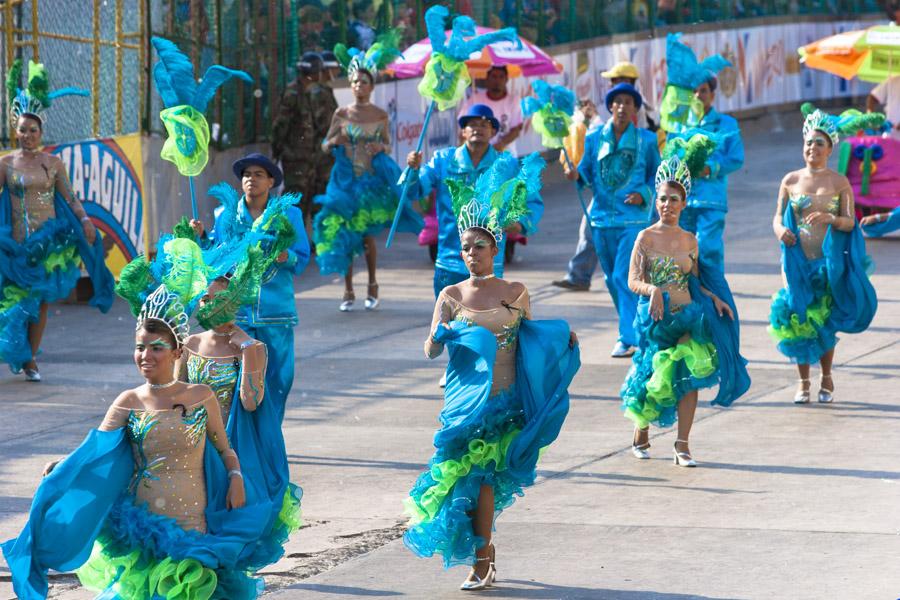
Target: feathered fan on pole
(185,100)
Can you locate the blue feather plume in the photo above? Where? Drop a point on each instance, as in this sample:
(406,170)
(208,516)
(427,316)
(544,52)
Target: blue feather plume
(175,82)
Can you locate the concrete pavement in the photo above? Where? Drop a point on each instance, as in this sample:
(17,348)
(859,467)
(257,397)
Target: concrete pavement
(788,502)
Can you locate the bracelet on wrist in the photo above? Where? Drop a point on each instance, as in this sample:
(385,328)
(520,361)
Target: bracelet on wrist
(235,473)
(85,219)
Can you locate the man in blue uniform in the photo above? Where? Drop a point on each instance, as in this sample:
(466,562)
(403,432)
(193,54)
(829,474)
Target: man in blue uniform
(708,202)
(466,162)
(272,317)
(619,164)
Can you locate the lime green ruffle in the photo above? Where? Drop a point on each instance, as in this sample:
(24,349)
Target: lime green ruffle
(700,360)
(139,578)
(816,316)
(61,260)
(12,295)
(448,472)
(360,222)
(553,125)
(291,515)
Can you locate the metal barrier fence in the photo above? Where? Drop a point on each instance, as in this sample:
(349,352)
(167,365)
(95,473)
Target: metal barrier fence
(90,44)
(103,45)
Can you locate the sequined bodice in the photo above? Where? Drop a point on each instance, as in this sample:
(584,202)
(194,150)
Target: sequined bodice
(31,197)
(504,323)
(168,448)
(671,272)
(359,135)
(812,236)
(220,374)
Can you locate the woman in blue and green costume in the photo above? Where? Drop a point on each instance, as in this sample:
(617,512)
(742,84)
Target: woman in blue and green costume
(686,322)
(506,395)
(45,233)
(152,504)
(362,192)
(233,365)
(823,259)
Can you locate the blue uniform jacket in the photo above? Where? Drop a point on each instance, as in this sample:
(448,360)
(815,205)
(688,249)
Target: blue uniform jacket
(275,301)
(455,163)
(615,170)
(712,191)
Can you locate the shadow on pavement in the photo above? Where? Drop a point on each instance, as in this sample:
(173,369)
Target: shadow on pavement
(536,589)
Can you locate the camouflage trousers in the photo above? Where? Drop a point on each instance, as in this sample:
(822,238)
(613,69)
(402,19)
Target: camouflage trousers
(302,177)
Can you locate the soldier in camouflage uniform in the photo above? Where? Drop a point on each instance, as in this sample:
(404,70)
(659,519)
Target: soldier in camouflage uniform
(331,70)
(298,131)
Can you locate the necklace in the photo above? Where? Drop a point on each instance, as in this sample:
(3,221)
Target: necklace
(222,333)
(481,277)
(161,386)
(822,170)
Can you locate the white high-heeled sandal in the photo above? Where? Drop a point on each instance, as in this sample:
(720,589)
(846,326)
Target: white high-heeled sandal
(683,459)
(641,451)
(826,396)
(802,396)
(474,583)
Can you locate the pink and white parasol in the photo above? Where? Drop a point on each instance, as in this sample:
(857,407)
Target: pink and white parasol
(528,60)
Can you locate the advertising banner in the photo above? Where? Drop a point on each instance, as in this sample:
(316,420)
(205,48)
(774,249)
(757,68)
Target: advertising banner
(106,175)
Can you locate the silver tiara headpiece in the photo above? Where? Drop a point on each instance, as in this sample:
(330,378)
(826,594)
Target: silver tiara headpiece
(165,306)
(819,120)
(479,214)
(25,104)
(674,170)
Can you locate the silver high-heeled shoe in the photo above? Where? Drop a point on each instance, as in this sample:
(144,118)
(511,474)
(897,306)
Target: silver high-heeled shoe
(347,302)
(640,451)
(474,583)
(371,302)
(826,396)
(683,459)
(802,396)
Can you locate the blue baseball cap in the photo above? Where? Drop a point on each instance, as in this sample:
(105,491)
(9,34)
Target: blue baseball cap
(623,88)
(479,111)
(259,160)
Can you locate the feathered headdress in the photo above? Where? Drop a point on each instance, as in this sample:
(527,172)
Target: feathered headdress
(36,96)
(693,148)
(379,55)
(242,289)
(186,100)
(848,122)
(552,107)
(497,200)
(685,74)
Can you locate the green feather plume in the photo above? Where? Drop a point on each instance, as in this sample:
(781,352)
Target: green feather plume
(460,193)
(343,55)
(39,83)
(184,230)
(386,48)
(241,290)
(13,78)
(134,279)
(694,152)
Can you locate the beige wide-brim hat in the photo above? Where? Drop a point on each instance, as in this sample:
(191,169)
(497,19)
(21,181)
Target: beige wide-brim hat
(622,69)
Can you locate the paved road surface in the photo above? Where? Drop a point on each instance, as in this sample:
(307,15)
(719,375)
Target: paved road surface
(788,502)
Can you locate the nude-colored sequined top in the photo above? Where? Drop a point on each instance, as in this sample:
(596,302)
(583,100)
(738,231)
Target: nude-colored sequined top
(503,322)
(168,447)
(168,450)
(812,236)
(670,271)
(31,197)
(220,374)
(359,135)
